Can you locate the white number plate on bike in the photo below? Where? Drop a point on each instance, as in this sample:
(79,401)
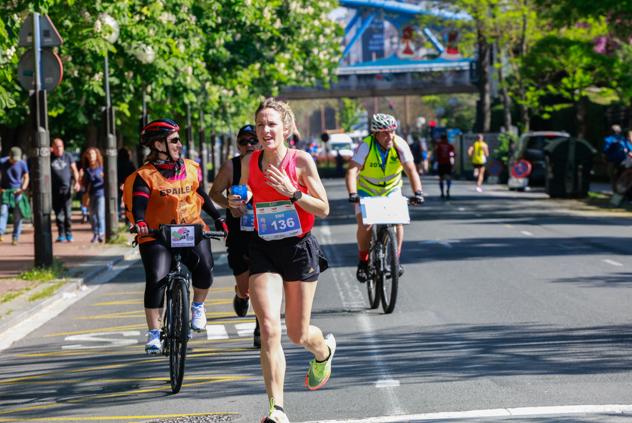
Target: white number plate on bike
(277,220)
(182,236)
(384,210)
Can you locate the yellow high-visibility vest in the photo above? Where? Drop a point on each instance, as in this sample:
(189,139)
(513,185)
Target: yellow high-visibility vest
(374,178)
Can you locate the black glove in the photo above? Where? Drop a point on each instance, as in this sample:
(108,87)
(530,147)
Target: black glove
(220,225)
(418,198)
(353,197)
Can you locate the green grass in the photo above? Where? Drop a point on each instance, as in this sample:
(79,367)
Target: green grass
(11,295)
(44,274)
(47,292)
(122,236)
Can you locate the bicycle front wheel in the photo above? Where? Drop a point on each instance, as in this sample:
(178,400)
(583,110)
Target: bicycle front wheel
(390,278)
(373,286)
(178,333)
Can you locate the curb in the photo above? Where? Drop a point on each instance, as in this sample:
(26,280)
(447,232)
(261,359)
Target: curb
(21,324)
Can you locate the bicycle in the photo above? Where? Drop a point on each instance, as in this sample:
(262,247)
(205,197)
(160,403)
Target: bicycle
(174,334)
(383,267)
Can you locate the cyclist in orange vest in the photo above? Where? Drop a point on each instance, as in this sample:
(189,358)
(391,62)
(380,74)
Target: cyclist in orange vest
(167,189)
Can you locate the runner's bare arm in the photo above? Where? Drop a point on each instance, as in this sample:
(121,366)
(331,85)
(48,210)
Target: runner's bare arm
(234,202)
(316,201)
(222,181)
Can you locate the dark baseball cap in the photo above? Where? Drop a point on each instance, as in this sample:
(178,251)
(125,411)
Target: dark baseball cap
(247,130)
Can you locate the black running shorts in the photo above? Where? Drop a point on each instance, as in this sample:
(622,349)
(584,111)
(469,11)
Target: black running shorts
(295,259)
(237,245)
(444,169)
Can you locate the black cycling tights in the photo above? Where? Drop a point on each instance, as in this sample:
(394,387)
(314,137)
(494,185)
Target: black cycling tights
(157,262)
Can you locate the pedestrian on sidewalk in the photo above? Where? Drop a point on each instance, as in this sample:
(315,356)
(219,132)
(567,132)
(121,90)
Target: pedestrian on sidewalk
(14,181)
(94,185)
(285,257)
(615,149)
(240,223)
(444,154)
(478,153)
(64,178)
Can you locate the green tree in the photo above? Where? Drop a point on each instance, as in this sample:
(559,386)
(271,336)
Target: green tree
(349,113)
(219,56)
(566,67)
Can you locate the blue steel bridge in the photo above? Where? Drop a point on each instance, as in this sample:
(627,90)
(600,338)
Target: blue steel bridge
(387,53)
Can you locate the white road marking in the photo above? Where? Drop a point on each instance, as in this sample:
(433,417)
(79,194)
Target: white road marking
(220,259)
(612,262)
(102,340)
(58,303)
(495,412)
(386,383)
(216,332)
(526,233)
(350,295)
(246,329)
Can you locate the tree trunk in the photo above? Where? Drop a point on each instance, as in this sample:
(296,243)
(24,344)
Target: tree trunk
(92,136)
(484,86)
(504,93)
(581,111)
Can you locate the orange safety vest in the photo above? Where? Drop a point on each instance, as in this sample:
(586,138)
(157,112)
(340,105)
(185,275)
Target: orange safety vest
(170,202)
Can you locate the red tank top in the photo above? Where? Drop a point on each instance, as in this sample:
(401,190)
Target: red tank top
(262,192)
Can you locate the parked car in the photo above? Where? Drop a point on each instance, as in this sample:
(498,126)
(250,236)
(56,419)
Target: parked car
(530,148)
(339,143)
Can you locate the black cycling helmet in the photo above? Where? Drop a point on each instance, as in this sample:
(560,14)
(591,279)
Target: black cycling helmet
(157,130)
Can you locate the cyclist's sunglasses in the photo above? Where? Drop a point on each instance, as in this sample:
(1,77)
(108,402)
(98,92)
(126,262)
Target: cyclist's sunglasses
(247,141)
(174,140)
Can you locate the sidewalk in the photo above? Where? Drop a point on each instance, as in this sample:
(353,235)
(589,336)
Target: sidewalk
(82,260)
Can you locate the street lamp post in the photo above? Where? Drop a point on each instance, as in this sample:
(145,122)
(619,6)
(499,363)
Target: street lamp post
(111,184)
(146,55)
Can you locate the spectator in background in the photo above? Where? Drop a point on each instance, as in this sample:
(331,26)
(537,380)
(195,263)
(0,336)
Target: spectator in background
(94,186)
(614,149)
(14,175)
(64,178)
(444,155)
(124,168)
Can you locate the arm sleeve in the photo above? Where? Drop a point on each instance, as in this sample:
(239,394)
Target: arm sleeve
(360,154)
(208,205)
(405,155)
(140,198)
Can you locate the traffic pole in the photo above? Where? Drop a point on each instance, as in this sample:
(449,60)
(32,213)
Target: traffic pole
(111,188)
(203,153)
(41,174)
(189,134)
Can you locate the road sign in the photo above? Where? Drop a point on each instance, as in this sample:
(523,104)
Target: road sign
(52,70)
(49,35)
(521,169)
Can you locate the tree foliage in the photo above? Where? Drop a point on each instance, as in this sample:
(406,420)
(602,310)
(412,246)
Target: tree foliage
(221,57)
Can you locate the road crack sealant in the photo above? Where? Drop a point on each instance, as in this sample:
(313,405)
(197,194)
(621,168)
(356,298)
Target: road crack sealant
(352,299)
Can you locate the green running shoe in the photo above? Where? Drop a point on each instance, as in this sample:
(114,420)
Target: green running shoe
(276,415)
(318,373)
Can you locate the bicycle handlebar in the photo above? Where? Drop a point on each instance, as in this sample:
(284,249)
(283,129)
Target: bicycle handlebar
(217,235)
(411,201)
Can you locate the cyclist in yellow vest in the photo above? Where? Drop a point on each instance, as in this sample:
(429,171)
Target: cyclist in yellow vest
(479,152)
(375,170)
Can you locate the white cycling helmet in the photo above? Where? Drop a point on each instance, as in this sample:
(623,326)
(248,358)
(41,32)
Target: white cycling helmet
(382,122)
